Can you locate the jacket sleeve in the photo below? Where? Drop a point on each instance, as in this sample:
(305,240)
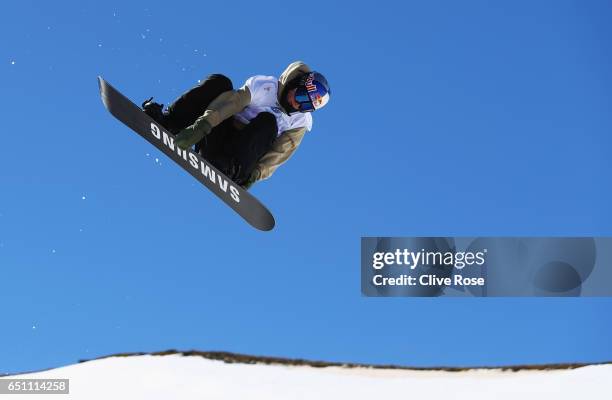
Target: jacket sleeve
(226,104)
(282,148)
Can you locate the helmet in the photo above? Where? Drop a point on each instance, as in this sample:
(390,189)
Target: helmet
(312,92)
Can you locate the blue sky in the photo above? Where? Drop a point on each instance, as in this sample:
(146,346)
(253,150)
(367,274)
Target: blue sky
(446,119)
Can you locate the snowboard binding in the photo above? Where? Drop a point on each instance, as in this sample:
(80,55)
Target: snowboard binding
(154,110)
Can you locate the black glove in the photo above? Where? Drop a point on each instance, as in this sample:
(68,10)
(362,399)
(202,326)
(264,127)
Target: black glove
(246,185)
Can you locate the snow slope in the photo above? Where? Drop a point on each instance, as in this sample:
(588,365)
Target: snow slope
(176,376)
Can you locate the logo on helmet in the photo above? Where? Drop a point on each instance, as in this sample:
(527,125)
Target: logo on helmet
(317,90)
(309,85)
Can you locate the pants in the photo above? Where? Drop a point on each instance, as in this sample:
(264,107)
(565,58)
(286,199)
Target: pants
(226,147)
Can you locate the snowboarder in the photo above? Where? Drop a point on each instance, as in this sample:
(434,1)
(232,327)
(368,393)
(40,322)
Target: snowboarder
(249,132)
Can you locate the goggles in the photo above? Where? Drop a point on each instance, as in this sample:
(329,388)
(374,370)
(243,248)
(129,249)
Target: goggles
(303,98)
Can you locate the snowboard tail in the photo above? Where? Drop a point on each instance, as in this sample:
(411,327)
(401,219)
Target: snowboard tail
(245,204)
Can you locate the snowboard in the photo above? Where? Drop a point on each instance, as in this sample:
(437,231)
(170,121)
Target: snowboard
(245,204)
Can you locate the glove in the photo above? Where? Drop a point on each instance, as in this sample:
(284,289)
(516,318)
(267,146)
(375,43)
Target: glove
(252,179)
(193,134)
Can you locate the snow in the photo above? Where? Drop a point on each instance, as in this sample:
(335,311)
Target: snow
(193,377)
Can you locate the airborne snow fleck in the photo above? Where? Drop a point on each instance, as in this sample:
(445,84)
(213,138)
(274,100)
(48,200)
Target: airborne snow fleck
(83,198)
(13,62)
